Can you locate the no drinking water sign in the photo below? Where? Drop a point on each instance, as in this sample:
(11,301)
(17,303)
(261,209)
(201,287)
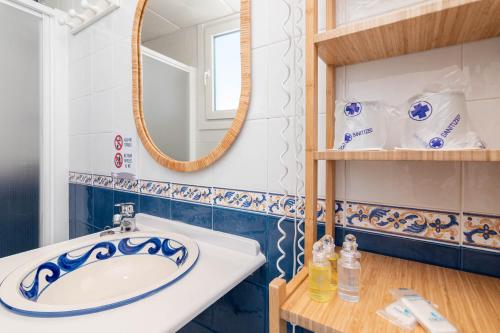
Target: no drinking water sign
(124,153)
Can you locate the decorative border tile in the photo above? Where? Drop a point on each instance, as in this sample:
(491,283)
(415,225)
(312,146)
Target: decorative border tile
(481,231)
(158,189)
(253,201)
(277,205)
(83,179)
(200,194)
(102,181)
(124,184)
(72,177)
(439,226)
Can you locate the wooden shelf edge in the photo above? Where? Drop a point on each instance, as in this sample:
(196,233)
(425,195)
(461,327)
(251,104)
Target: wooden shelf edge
(473,155)
(413,29)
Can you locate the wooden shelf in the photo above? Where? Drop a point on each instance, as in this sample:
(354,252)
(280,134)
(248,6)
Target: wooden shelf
(480,155)
(469,301)
(414,29)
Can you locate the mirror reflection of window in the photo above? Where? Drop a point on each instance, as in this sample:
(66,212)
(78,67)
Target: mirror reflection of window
(226,69)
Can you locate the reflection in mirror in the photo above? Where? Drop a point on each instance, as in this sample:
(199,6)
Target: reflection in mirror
(191,71)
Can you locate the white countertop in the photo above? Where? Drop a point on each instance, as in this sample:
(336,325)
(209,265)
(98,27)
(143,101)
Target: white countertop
(225,260)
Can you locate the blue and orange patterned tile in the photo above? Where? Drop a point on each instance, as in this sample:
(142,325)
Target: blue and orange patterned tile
(83,179)
(102,181)
(253,201)
(438,226)
(481,231)
(159,189)
(199,194)
(125,184)
(280,205)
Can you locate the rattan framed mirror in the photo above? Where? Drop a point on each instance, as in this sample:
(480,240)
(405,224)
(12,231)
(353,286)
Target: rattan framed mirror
(234,123)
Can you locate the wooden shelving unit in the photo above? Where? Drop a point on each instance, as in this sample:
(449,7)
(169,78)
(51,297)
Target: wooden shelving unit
(479,155)
(423,27)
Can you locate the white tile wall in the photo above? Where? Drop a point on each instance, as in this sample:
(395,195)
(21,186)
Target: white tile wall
(100,85)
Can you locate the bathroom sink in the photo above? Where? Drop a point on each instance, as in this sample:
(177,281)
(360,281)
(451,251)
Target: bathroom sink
(98,274)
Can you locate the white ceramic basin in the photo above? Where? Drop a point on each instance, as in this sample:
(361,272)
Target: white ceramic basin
(98,274)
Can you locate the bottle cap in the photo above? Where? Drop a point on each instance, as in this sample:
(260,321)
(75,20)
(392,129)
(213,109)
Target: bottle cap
(319,255)
(328,245)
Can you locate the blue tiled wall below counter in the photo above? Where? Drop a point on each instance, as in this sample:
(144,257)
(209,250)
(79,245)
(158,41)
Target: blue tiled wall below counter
(244,309)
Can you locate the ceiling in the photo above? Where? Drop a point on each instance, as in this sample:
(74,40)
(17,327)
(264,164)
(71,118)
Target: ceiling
(166,16)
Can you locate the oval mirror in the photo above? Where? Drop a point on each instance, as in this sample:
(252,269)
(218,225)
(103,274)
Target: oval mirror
(191,74)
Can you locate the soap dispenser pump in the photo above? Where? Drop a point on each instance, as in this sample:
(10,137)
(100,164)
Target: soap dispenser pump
(320,273)
(349,270)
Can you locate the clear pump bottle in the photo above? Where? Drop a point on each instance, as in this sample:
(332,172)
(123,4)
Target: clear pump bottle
(349,270)
(320,272)
(331,256)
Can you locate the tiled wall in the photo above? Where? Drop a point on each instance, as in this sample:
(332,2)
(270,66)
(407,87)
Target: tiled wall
(443,213)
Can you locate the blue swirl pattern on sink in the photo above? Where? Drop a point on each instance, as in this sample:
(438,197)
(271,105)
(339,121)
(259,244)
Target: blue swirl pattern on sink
(47,273)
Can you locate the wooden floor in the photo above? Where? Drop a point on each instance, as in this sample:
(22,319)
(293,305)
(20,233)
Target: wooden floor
(470,301)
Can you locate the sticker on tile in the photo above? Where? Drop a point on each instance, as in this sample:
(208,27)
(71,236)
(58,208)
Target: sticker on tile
(159,189)
(254,201)
(198,194)
(481,231)
(439,226)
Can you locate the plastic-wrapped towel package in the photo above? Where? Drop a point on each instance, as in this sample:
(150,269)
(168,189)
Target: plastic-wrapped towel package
(437,118)
(361,125)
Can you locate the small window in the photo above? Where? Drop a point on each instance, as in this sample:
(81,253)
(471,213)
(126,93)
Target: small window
(222,77)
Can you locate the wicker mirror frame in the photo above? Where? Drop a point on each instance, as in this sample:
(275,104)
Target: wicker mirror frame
(239,119)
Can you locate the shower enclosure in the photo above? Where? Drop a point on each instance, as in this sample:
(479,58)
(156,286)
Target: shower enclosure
(28,130)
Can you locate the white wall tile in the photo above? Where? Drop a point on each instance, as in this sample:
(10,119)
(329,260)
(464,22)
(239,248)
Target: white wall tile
(79,154)
(79,80)
(79,115)
(482,187)
(102,35)
(433,185)
(123,117)
(102,70)
(259,22)
(395,80)
(484,116)
(102,153)
(80,46)
(258,100)
(122,63)
(361,9)
(482,60)
(278,73)
(244,166)
(101,117)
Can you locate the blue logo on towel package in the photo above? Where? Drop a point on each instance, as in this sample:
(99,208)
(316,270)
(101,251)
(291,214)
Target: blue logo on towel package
(347,137)
(420,111)
(436,143)
(353,109)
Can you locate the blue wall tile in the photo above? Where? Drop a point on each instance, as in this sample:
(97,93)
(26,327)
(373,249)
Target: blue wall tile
(199,215)
(241,310)
(482,262)
(287,245)
(124,197)
(155,206)
(71,210)
(103,208)
(244,224)
(426,252)
(84,204)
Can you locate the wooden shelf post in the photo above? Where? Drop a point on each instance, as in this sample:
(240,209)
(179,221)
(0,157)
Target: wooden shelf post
(277,296)
(330,128)
(311,127)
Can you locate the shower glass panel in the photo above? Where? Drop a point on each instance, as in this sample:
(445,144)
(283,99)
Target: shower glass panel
(20,135)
